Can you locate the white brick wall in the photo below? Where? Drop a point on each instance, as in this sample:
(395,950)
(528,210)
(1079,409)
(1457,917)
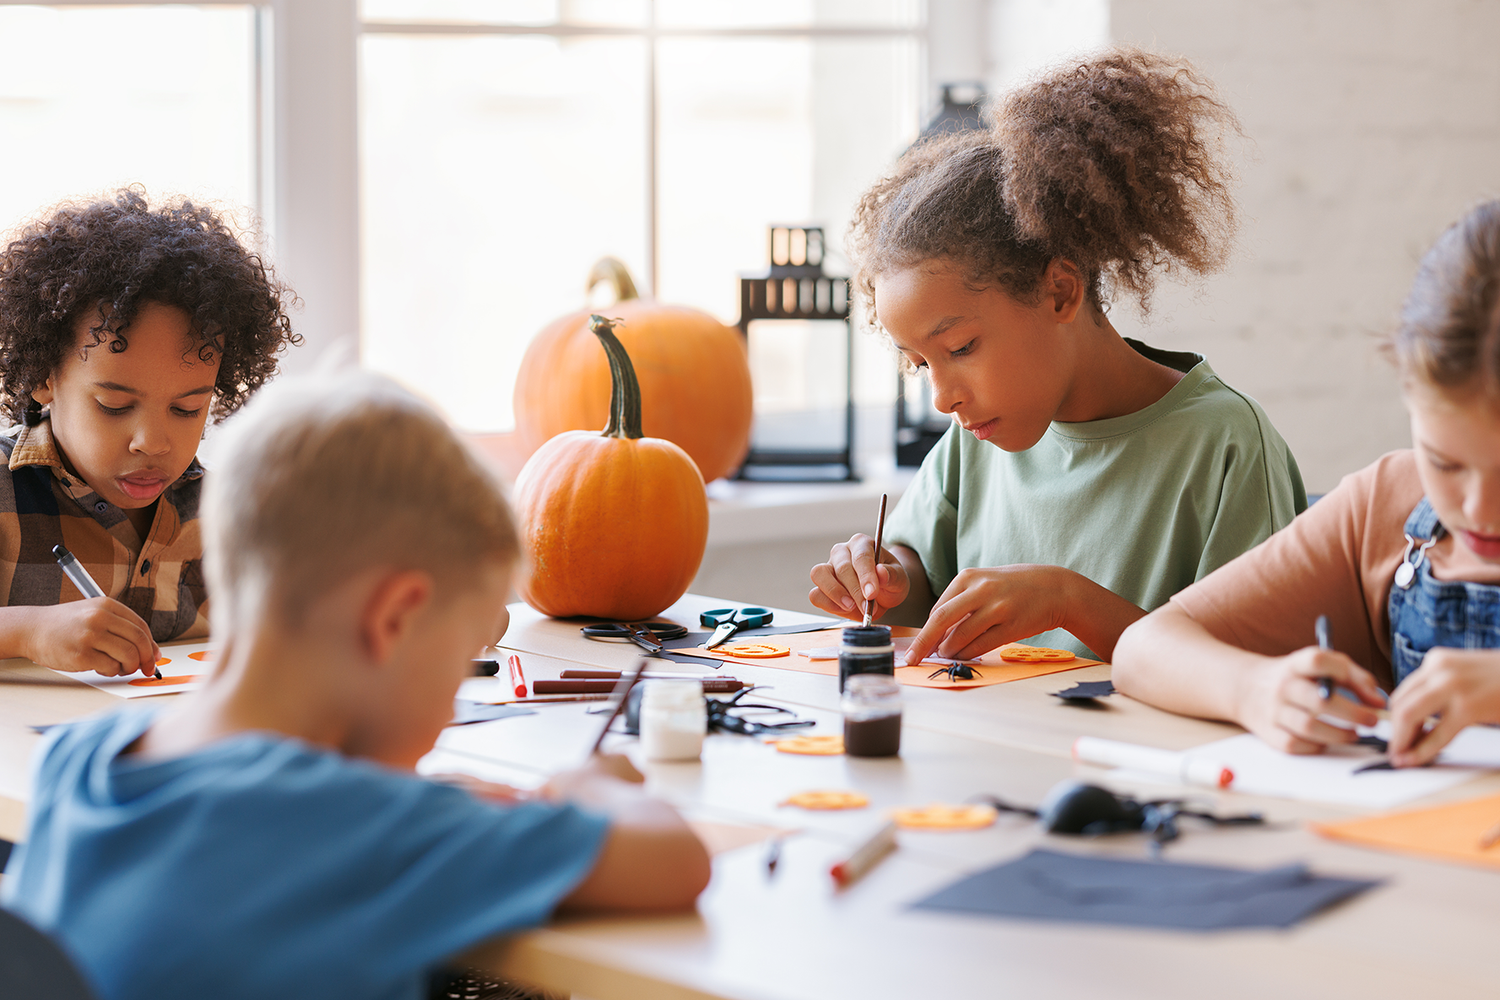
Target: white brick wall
(1372,126)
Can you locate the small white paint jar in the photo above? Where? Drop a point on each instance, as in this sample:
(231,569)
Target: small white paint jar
(673,719)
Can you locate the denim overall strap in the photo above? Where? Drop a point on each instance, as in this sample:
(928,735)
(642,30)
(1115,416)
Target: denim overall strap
(1426,612)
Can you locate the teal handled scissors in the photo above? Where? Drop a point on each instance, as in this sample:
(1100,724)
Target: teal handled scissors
(727,621)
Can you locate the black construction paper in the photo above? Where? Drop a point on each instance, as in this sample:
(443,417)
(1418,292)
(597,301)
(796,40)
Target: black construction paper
(1050,885)
(465,711)
(1085,692)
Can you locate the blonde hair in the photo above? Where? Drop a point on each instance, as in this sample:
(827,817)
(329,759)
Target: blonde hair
(319,479)
(1450,324)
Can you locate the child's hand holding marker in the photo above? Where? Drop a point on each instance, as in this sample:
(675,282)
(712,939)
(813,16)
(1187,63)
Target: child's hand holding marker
(1459,686)
(97,633)
(1286,705)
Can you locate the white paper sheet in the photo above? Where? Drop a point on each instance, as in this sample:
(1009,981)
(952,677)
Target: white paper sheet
(1331,777)
(180,663)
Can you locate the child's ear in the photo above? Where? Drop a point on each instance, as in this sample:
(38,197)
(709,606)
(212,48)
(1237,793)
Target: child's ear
(43,394)
(392,612)
(1065,289)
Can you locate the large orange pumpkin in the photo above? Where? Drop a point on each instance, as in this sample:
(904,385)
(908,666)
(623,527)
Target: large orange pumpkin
(693,372)
(614,523)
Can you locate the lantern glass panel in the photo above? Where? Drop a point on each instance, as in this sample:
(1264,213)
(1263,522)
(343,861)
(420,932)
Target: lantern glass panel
(800,372)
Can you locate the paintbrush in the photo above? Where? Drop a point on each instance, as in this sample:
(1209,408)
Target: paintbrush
(622,692)
(879,533)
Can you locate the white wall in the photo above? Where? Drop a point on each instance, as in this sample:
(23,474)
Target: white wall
(1374,124)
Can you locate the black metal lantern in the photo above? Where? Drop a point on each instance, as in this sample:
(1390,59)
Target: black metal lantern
(803,370)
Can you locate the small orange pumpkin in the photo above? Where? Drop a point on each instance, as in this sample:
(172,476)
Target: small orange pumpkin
(614,523)
(693,372)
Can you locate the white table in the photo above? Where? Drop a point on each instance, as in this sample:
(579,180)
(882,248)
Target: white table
(793,937)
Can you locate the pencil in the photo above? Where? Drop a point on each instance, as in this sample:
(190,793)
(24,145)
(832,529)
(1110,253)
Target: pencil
(622,695)
(1325,643)
(773,855)
(879,534)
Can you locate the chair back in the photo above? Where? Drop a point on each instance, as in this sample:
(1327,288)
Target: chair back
(34,967)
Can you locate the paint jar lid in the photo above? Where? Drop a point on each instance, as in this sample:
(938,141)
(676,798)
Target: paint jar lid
(867,635)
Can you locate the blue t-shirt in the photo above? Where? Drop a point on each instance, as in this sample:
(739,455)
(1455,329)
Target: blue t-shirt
(261,867)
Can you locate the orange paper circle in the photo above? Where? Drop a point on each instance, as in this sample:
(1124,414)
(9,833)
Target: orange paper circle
(943,817)
(818,746)
(828,800)
(754,650)
(1036,654)
(152,682)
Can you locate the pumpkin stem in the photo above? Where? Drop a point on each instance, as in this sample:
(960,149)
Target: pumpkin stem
(625,390)
(614,271)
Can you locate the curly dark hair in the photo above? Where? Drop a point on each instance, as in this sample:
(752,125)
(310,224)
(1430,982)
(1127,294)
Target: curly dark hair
(1449,335)
(1113,163)
(106,258)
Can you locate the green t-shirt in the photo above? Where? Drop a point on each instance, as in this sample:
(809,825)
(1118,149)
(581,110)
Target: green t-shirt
(1142,504)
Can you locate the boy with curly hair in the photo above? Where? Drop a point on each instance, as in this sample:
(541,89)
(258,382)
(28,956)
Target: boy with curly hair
(266,836)
(123,328)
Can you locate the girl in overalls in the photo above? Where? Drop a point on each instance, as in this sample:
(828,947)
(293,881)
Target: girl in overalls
(1403,557)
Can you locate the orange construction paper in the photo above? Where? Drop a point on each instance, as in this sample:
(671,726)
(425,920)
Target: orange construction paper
(152,682)
(1448,833)
(995,670)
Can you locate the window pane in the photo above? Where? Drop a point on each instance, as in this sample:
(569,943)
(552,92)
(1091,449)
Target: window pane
(789,13)
(92,99)
(495,171)
(512,12)
(763,131)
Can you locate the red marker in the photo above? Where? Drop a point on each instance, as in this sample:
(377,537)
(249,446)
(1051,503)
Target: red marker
(516,677)
(866,857)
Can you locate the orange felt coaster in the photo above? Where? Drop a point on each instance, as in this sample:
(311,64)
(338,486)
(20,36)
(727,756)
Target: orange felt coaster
(828,800)
(1449,832)
(993,669)
(817,746)
(941,817)
(755,650)
(1017,652)
(152,682)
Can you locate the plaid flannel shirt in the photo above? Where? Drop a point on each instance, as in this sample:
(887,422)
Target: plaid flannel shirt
(42,504)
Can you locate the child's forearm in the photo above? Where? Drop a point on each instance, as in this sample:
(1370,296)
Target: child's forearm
(1171,661)
(1095,615)
(651,858)
(18,626)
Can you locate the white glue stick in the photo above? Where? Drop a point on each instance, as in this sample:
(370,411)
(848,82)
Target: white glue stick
(1183,767)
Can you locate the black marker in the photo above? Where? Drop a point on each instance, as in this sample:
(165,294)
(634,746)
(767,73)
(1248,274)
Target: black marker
(1325,642)
(73,570)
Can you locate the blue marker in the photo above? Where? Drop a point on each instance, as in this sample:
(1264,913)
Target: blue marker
(73,570)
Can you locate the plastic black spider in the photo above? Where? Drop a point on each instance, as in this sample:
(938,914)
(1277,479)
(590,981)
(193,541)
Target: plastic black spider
(956,671)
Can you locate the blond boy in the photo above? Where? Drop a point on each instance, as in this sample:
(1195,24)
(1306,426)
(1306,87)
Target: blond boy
(267,836)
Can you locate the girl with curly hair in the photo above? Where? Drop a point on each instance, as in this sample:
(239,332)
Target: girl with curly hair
(1087,477)
(123,328)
